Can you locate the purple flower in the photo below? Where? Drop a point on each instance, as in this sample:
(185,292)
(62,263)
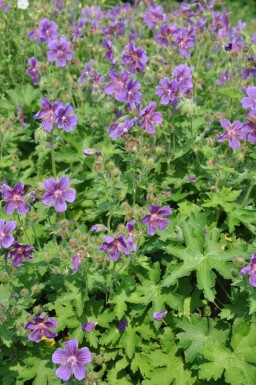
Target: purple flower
(96,79)
(19,253)
(116,29)
(71,360)
(163,37)
(85,72)
(21,116)
(59,5)
(192,178)
(5,238)
(114,247)
(98,228)
(159,315)
(130,225)
(154,15)
(78,29)
(90,152)
(109,55)
(130,242)
(250,100)
(119,128)
(122,325)
(33,70)
(47,113)
(155,220)
(224,77)
(59,51)
(184,39)
(149,118)
(232,133)
(65,118)
(135,58)
(228,47)
(250,270)
(58,192)
(76,262)
(93,12)
(15,199)
(40,327)
(133,96)
(89,326)
(35,35)
(47,30)
(168,91)
(249,129)
(117,84)
(254,38)
(182,74)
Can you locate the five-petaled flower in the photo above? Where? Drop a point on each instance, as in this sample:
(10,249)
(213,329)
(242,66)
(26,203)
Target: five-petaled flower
(250,100)
(65,117)
(149,118)
(250,270)
(48,113)
(40,327)
(5,238)
(19,253)
(71,360)
(15,199)
(58,192)
(155,219)
(233,132)
(59,51)
(114,247)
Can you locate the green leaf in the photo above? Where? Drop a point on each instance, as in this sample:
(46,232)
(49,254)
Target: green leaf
(197,333)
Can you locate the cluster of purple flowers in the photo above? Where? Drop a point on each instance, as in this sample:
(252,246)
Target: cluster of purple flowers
(170,91)
(58,114)
(58,50)
(114,246)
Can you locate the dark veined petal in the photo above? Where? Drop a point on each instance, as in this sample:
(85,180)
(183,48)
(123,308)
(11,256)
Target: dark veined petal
(64,372)
(79,371)
(59,356)
(84,354)
(10,207)
(60,205)
(9,226)
(64,183)
(71,347)
(50,185)
(48,199)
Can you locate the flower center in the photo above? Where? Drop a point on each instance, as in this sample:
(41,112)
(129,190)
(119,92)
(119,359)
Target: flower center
(72,360)
(57,193)
(2,235)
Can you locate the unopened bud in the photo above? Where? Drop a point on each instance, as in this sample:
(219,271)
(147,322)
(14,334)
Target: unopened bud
(24,292)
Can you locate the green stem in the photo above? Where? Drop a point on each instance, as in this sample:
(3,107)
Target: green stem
(53,156)
(252,184)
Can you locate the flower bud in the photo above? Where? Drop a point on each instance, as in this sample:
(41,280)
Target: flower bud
(111,166)
(15,310)
(121,195)
(234,273)
(84,238)
(24,292)
(239,261)
(35,289)
(47,257)
(77,234)
(64,254)
(4,278)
